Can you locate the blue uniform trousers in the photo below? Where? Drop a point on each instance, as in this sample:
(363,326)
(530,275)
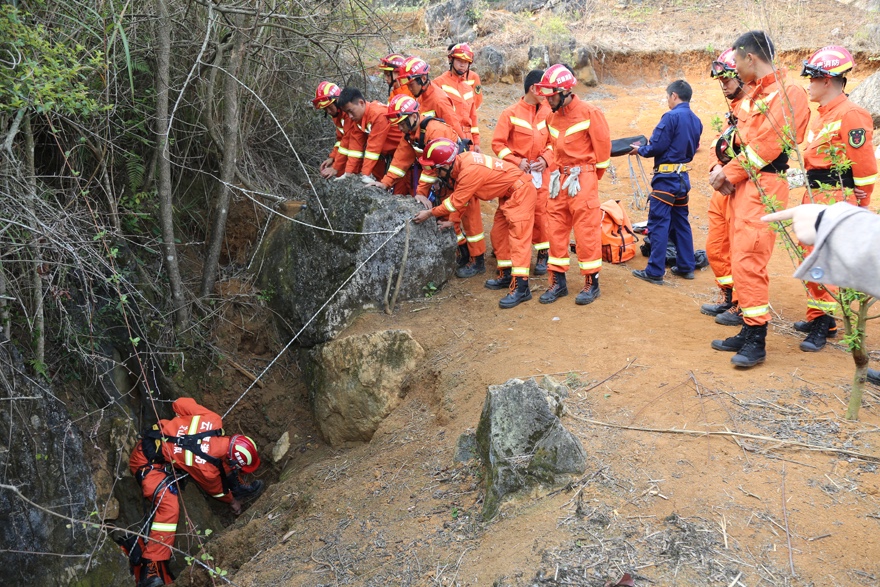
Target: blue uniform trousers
(669,221)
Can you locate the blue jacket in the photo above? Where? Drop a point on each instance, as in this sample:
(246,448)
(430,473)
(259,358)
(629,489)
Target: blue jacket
(674,140)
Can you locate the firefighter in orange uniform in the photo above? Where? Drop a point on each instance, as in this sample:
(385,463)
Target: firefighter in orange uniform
(469,76)
(478,177)
(417,132)
(375,138)
(842,133)
(581,145)
(454,83)
(726,311)
(325,99)
(190,446)
(752,178)
(433,102)
(388,65)
(521,137)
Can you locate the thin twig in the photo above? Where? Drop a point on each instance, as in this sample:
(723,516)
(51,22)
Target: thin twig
(785,519)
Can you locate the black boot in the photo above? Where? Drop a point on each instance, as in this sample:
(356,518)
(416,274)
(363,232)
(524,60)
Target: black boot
(724,305)
(590,292)
(463,256)
(874,376)
(819,329)
(151,575)
(475,267)
(733,316)
(501,282)
(807,326)
(249,491)
(558,288)
(541,262)
(752,353)
(519,293)
(732,343)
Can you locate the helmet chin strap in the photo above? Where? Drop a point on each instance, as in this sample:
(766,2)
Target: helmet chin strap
(563,97)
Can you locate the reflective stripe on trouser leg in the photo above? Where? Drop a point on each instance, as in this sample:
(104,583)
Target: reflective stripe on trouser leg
(164,524)
(518,210)
(472,225)
(718,240)
(820,300)
(752,243)
(559,223)
(520,238)
(500,242)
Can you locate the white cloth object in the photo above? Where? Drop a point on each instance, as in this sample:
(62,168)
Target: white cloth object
(572,182)
(554,184)
(341,177)
(367,179)
(538,179)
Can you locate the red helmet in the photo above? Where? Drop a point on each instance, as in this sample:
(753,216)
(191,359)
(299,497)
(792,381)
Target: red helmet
(243,453)
(412,67)
(831,61)
(556,79)
(461,51)
(401,106)
(325,95)
(724,66)
(391,61)
(439,152)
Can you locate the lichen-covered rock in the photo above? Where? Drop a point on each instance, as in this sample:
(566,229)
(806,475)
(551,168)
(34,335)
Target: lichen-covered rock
(522,443)
(355,382)
(867,95)
(453,20)
(301,267)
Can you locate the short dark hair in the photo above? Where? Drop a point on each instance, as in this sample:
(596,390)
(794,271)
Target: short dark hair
(532,78)
(349,95)
(682,88)
(757,43)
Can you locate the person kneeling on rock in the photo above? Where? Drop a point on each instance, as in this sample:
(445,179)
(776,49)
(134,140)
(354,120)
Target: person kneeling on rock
(190,446)
(476,177)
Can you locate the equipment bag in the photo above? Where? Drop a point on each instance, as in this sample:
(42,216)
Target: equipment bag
(618,239)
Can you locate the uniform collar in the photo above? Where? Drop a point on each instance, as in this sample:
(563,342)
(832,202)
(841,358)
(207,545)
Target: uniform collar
(761,85)
(832,104)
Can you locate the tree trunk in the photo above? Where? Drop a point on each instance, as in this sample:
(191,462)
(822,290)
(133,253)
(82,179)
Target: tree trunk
(166,209)
(860,356)
(228,166)
(36,259)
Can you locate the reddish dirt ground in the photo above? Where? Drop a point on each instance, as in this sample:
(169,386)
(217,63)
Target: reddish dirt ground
(671,509)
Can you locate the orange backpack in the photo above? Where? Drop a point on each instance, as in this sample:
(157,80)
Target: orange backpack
(618,239)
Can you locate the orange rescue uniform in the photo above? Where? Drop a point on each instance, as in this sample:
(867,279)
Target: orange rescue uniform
(718,236)
(373,138)
(844,128)
(434,103)
(472,80)
(339,154)
(521,133)
(771,106)
(191,419)
(579,137)
(461,95)
(481,177)
(411,145)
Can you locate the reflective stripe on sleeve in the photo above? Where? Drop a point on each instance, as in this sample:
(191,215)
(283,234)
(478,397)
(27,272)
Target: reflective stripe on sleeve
(476,238)
(754,158)
(862,181)
(504,153)
(396,171)
(370,155)
(448,205)
(603,164)
(167,528)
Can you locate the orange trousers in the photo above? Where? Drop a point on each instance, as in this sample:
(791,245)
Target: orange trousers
(468,226)
(718,240)
(820,298)
(582,214)
(513,228)
(541,226)
(752,242)
(167,511)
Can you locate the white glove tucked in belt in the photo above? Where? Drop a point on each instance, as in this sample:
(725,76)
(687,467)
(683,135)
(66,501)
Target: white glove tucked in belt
(554,184)
(572,183)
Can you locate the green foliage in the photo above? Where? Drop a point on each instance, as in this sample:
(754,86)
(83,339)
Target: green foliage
(430,289)
(47,75)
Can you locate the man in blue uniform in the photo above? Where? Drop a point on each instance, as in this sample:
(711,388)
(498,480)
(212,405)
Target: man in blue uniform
(672,145)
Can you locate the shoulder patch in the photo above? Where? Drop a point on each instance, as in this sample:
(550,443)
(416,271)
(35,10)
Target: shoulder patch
(857,137)
(478,89)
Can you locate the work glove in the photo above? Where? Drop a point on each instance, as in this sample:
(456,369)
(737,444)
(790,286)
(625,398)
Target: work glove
(572,183)
(341,177)
(554,184)
(367,179)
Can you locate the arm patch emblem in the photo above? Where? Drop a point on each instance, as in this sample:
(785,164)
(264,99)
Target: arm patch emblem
(478,89)
(857,137)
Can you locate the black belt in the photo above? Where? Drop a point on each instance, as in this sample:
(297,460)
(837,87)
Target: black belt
(778,165)
(830,177)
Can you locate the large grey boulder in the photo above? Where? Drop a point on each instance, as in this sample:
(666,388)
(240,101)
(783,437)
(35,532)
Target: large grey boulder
(867,95)
(303,264)
(453,20)
(522,443)
(356,382)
